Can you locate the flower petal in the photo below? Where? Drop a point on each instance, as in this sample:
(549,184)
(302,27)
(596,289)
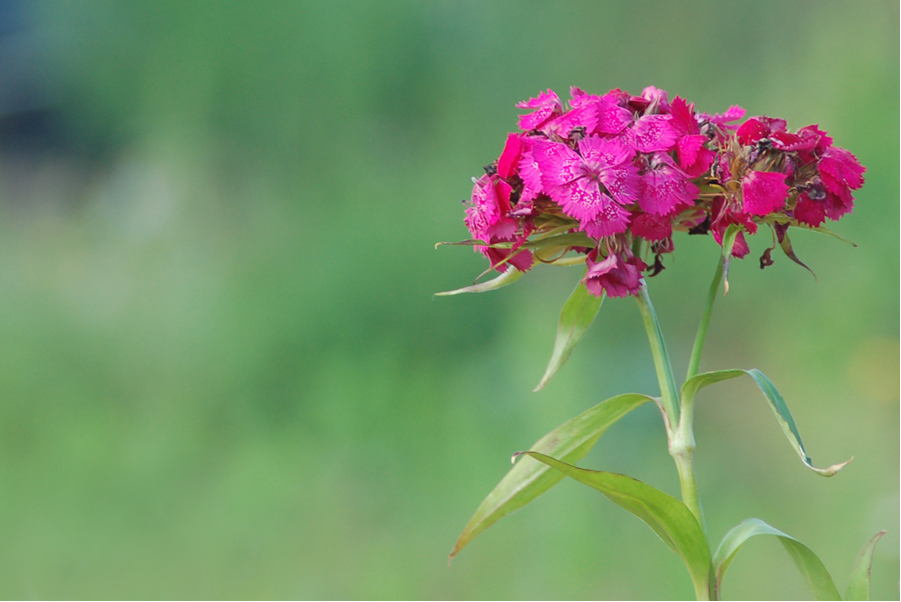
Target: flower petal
(764,192)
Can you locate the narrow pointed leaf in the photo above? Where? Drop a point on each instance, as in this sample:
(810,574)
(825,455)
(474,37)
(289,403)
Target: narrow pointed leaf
(509,276)
(859,588)
(578,313)
(787,422)
(728,242)
(694,384)
(786,245)
(529,478)
(570,239)
(670,519)
(776,402)
(808,563)
(825,230)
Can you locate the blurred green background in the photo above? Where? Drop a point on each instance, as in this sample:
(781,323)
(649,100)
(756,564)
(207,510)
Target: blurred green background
(222,370)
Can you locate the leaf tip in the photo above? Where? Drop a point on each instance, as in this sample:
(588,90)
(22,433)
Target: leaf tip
(832,470)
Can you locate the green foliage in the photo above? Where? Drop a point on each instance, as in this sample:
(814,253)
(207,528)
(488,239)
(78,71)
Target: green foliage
(508,276)
(670,519)
(859,586)
(776,402)
(578,313)
(529,478)
(808,563)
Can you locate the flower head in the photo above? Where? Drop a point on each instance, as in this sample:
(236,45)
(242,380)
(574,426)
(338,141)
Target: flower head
(611,177)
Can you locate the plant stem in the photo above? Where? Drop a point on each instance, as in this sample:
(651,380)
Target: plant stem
(680,418)
(698,347)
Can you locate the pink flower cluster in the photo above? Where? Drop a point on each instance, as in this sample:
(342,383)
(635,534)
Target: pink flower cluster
(627,171)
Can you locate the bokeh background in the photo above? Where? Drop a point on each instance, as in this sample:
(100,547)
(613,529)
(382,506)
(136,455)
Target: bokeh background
(222,370)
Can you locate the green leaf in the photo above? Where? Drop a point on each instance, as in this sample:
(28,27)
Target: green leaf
(509,276)
(570,239)
(578,313)
(825,230)
(809,564)
(777,404)
(859,588)
(529,478)
(670,519)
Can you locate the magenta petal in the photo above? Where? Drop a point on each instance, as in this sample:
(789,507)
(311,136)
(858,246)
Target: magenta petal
(664,187)
(687,149)
(810,212)
(839,169)
(837,206)
(612,119)
(764,192)
(548,105)
(617,277)
(559,164)
(548,98)
(654,133)
(604,152)
(509,159)
(583,117)
(622,183)
(683,117)
(652,227)
(530,174)
(580,199)
(611,219)
(751,131)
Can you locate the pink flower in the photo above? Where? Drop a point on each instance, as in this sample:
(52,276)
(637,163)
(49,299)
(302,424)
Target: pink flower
(609,117)
(734,113)
(694,157)
(756,128)
(841,172)
(764,192)
(548,106)
(584,184)
(614,275)
(653,133)
(664,186)
(487,219)
(529,172)
(657,99)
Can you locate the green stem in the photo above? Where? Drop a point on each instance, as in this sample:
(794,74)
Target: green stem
(679,429)
(695,360)
(668,393)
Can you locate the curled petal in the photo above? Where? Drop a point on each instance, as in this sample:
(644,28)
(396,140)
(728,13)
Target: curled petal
(548,106)
(613,275)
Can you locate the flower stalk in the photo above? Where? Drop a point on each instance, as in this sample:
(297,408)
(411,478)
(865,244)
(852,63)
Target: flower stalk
(605,182)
